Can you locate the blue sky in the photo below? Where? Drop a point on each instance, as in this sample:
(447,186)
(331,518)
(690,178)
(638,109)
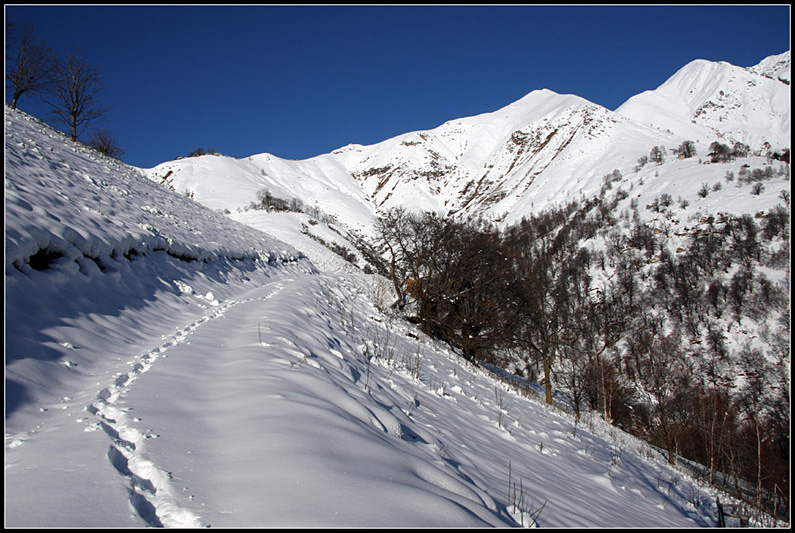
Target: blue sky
(299,81)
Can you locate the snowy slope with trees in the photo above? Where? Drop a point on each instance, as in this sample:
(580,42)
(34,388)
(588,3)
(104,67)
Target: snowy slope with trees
(204,344)
(228,388)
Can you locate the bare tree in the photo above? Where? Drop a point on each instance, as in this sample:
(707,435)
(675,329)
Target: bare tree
(661,368)
(30,63)
(657,154)
(479,304)
(552,284)
(104,142)
(397,238)
(73,94)
(457,274)
(719,152)
(603,320)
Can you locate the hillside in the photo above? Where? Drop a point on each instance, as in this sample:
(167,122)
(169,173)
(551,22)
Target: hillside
(544,148)
(168,367)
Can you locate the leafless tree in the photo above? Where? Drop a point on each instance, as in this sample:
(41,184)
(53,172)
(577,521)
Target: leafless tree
(552,284)
(456,274)
(30,63)
(661,367)
(104,142)
(719,152)
(687,149)
(72,96)
(601,322)
(657,154)
(480,307)
(399,241)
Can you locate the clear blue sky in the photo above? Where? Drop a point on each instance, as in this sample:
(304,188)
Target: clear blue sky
(299,81)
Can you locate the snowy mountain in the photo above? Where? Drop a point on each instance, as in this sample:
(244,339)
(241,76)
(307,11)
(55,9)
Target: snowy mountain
(774,67)
(542,150)
(706,100)
(178,357)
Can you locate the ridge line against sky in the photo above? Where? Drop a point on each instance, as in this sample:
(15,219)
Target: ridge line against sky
(299,81)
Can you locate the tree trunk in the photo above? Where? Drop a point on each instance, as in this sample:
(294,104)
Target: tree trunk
(758,464)
(548,379)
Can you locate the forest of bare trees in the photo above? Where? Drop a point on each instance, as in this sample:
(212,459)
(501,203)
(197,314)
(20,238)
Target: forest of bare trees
(634,331)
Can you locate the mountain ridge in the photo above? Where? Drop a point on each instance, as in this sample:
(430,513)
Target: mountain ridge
(537,151)
(706,99)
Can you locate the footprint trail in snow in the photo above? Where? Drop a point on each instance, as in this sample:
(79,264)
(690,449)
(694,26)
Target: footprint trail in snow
(150,490)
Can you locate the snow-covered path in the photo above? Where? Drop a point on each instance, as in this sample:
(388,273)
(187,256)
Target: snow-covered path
(88,433)
(150,490)
(293,402)
(274,422)
(270,417)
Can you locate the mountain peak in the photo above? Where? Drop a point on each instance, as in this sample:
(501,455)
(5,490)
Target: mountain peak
(775,67)
(708,100)
(540,104)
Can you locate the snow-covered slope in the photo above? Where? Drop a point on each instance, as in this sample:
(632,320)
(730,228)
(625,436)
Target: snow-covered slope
(61,209)
(543,150)
(76,223)
(225,183)
(166,366)
(708,100)
(774,67)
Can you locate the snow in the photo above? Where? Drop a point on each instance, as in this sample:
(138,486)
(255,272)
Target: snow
(253,392)
(775,67)
(172,366)
(708,100)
